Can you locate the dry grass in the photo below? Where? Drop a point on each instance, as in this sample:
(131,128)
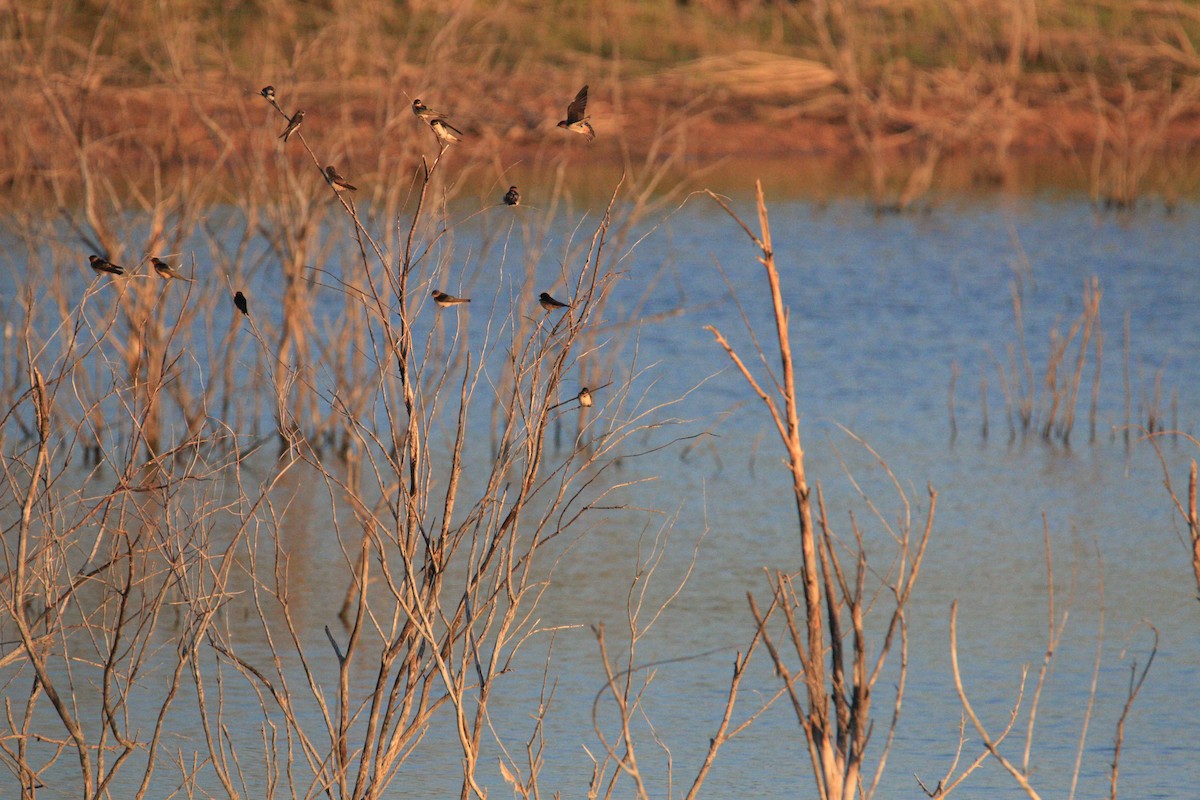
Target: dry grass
(903,86)
(374,400)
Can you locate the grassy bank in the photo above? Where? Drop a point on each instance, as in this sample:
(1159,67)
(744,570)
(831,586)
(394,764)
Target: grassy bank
(1108,87)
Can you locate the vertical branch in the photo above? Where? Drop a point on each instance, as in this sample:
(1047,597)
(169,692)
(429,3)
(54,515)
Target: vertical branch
(835,711)
(788,424)
(1136,680)
(16,600)
(1193,523)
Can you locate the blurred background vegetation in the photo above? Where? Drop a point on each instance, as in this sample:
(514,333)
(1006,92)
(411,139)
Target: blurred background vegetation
(1108,88)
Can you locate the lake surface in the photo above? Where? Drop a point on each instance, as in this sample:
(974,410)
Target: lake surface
(883,312)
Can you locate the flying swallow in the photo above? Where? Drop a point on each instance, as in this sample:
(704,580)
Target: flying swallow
(337,181)
(444,300)
(269,93)
(446,133)
(166,271)
(512,197)
(104,265)
(577,119)
(293,123)
(239,301)
(425,112)
(549,303)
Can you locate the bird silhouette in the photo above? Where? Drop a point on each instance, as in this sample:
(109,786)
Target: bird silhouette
(577,119)
(293,123)
(444,300)
(239,301)
(104,265)
(425,112)
(337,181)
(166,271)
(445,132)
(549,303)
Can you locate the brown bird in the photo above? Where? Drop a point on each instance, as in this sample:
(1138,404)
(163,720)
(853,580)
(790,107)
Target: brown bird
(166,271)
(577,119)
(425,112)
(104,265)
(549,303)
(445,132)
(585,398)
(293,123)
(337,181)
(239,302)
(444,300)
(512,197)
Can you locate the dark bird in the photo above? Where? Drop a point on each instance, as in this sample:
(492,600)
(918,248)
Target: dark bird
(337,181)
(269,93)
(293,123)
(577,119)
(446,133)
(425,112)
(104,265)
(549,303)
(444,300)
(239,301)
(512,197)
(165,270)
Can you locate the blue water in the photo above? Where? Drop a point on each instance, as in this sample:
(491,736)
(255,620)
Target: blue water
(882,310)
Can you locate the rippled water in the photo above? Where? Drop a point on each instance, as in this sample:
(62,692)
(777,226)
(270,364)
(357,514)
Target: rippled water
(882,312)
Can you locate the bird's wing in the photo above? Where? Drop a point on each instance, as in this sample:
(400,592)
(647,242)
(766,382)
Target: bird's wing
(578,107)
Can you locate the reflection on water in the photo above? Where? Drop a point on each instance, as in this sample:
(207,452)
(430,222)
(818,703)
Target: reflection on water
(882,311)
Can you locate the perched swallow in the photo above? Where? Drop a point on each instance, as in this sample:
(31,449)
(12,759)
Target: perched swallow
(293,123)
(577,119)
(512,197)
(585,398)
(269,93)
(337,181)
(239,300)
(549,303)
(446,133)
(104,265)
(425,112)
(166,271)
(444,300)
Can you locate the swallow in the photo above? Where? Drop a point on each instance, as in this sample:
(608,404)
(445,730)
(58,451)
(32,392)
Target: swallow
(512,197)
(584,398)
(166,271)
(239,301)
(549,303)
(269,93)
(337,181)
(444,300)
(293,123)
(104,265)
(577,119)
(446,133)
(425,112)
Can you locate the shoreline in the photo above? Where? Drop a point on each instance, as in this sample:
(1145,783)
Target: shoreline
(894,101)
(374,133)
